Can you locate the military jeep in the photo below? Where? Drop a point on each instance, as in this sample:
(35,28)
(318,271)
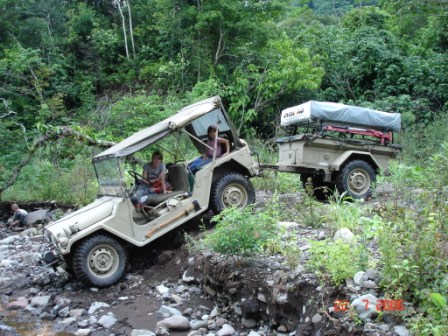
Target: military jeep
(94,239)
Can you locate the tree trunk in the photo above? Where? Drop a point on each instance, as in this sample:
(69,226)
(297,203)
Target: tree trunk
(131,30)
(123,25)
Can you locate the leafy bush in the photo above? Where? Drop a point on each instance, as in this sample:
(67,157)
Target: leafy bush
(343,213)
(242,232)
(338,259)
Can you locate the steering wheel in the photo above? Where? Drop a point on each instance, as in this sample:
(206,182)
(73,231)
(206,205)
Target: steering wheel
(139,179)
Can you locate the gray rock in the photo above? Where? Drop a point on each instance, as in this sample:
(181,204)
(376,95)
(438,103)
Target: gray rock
(169,310)
(197,324)
(107,321)
(249,323)
(370,284)
(344,234)
(220,322)
(83,323)
(39,216)
(316,318)
(68,321)
(162,289)
(401,331)
(176,323)
(253,333)
(40,301)
(226,330)
(64,312)
(372,274)
(321,235)
(364,301)
(199,332)
(77,312)
(20,303)
(83,332)
(358,278)
(142,332)
(282,298)
(97,305)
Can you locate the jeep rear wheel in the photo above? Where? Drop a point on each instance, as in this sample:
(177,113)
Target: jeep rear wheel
(232,190)
(356,179)
(99,260)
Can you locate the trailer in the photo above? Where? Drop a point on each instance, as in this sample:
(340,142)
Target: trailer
(335,145)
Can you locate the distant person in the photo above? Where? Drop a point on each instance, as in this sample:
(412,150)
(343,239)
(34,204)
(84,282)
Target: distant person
(214,146)
(154,180)
(18,220)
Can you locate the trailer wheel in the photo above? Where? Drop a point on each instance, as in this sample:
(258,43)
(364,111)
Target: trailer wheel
(355,179)
(231,190)
(99,260)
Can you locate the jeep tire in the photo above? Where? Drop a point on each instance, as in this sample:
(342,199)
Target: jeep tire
(355,179)
(99,260)
(231,190)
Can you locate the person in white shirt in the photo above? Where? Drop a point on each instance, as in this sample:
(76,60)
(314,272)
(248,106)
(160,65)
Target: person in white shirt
(19,217)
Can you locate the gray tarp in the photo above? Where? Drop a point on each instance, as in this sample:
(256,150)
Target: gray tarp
(149,135)
(338,114)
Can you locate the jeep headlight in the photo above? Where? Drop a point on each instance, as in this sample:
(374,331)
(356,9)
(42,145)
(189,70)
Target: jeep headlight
(62,240)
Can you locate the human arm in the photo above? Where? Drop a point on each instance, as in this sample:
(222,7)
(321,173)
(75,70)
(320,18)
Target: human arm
(162,177)
(226,143)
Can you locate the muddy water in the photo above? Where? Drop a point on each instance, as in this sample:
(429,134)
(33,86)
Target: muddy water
(28,325)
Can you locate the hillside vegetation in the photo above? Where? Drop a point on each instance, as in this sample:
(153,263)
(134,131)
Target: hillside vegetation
(105,69)
(79,75)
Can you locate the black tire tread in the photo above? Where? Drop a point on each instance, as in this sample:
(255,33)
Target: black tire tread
(340,183)
(219,185)
(79,262)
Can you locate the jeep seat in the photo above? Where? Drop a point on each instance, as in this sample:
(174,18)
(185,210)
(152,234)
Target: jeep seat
(177,176)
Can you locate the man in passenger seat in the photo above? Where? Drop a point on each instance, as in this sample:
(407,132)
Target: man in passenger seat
(215,143)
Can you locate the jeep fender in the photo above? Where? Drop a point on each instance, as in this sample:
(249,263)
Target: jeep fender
(351,155)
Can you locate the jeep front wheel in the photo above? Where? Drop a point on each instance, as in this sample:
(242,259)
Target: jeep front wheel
(99,260)
(356,179)
(232,190)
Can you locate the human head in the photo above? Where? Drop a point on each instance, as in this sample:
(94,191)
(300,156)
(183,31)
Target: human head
(14,206)
(157,154)
(212,129)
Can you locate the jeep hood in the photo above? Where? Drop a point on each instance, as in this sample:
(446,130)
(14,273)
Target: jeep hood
(83,218)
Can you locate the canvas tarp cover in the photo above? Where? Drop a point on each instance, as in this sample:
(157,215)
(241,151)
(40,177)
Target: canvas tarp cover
(151,134)
(339,114)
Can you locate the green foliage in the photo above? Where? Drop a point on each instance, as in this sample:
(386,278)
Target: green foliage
(344,213)
(282,182)
(311,211)
(73,184)
(243,232)
(433,320)
(131,114)
(338,259)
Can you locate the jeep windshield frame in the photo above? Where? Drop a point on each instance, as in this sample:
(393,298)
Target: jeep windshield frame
(109,176)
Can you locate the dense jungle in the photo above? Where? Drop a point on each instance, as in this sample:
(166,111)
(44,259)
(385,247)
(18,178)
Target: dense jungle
(78,76)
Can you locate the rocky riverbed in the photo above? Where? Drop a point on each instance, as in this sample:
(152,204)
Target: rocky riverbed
(169,291)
